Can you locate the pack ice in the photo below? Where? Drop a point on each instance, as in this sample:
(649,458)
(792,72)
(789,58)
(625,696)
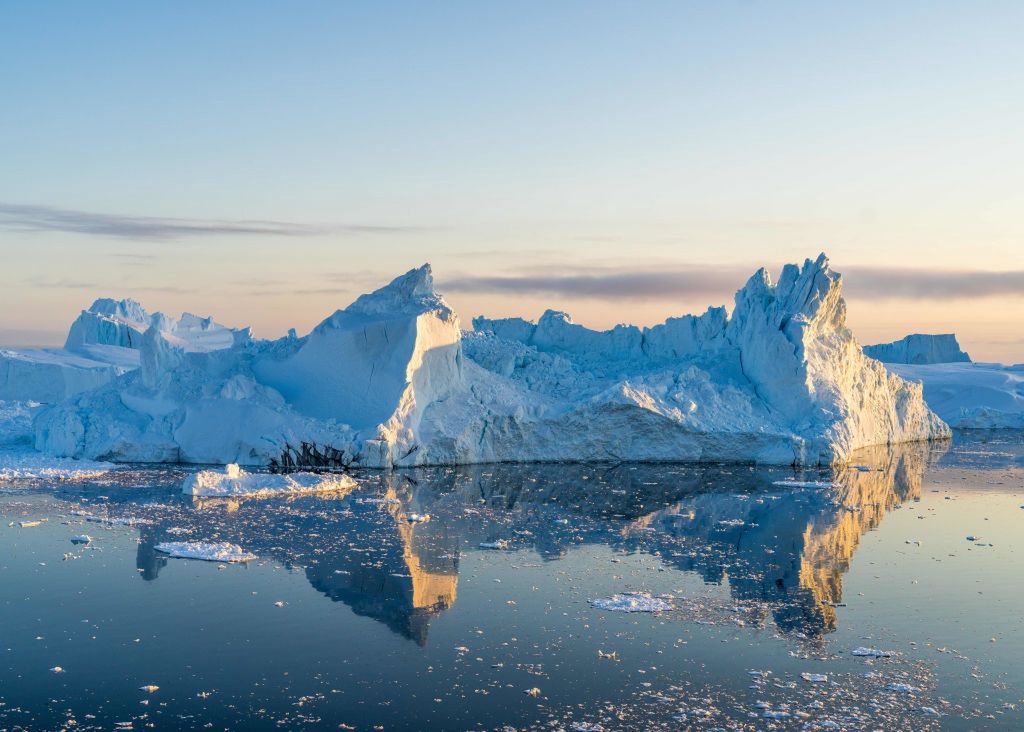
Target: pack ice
(393,381)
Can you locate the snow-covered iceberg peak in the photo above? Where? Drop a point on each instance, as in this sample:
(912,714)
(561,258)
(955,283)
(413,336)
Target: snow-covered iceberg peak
(805,364)
(412,293)
(108,322)
(376,364)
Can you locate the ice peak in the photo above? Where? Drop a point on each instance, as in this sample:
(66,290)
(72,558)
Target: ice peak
(411,292)
(126,309)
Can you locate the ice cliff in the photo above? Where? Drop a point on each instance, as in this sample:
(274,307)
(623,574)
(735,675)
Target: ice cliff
(392,380)
(920,348)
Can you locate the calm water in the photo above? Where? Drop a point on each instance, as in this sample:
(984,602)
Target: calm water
(356,618)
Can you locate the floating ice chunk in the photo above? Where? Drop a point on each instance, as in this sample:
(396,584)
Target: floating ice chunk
(632,602)
(870,652)
(804,483)
(207,551)
(499,544)
(814,678)
(902,688)
(57,670)
(81,539)
(149,688)
(235,482)
(418,518)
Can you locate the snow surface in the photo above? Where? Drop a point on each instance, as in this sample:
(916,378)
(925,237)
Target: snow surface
(920,348)
(207,551)
(233,481)
(393,381)
(971,395)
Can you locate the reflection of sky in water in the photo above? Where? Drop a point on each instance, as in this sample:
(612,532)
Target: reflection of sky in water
(752,568)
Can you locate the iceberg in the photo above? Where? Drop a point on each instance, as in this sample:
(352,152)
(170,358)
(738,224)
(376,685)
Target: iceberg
(103,343)
(393,381)
(233,482)
(919,348)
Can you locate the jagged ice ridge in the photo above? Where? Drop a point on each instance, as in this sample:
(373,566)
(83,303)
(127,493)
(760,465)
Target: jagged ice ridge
(393,381)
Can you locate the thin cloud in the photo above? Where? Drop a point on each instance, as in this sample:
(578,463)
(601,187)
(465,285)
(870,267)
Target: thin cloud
(30,218)
(718,283)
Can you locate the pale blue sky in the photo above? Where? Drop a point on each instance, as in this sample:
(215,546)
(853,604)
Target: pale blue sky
(509,139)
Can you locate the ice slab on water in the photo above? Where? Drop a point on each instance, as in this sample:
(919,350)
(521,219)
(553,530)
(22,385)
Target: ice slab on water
(233,481)
(207,551)
(638,602)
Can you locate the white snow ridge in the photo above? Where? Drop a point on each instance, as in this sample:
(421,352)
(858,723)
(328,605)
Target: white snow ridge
(392,380)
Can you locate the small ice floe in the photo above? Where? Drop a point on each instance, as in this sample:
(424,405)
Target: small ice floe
(532,692)
(233,482)
(612,656)
(902,688)
(279,603)
(207,551)
(499,544)
(418,518)
(972,537)
(870,652)
(57,670)
(632,602)
(776,714)
(814,678)
(930,711)
(149,688)
(732,522)
(804,483)
(81,539)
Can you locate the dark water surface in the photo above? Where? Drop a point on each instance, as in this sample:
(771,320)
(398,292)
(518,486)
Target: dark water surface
(356,618)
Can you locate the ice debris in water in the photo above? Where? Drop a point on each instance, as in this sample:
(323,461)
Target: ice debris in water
(418,518)
(870,652)
(149,688)
(500,544)
(632,602)
(814,678)
(57,670)
(81,539)
(207,551)
(902,688)
(804,483)
(235,482)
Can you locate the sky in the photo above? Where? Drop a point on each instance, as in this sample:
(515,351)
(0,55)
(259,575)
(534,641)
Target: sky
(267,162)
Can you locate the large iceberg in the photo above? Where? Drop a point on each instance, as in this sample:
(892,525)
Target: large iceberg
(920,348)
(103,343)
(393,381)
